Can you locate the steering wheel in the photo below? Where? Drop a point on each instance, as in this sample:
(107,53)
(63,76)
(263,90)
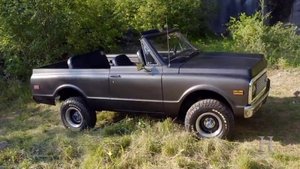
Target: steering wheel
(174,49)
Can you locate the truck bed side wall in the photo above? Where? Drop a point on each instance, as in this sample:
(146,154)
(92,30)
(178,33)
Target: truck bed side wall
(93,83)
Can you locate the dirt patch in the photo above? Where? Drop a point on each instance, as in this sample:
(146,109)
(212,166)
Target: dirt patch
(285,83)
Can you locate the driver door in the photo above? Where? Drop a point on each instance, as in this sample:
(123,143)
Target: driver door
(137,91)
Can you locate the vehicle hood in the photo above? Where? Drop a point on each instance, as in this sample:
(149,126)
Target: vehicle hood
(225,63)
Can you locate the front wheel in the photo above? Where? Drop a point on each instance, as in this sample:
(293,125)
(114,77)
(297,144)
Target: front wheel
(76,115)
(209,118)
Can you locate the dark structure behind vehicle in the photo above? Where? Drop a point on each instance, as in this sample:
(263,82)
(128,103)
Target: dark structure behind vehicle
(286,11)
(295,15)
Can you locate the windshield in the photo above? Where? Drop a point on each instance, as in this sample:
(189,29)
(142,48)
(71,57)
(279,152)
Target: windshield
(178,46)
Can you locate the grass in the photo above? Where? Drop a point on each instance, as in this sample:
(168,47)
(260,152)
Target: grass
(37,138)
(221,44)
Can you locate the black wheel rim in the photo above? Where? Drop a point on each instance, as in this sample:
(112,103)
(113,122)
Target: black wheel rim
(74,117)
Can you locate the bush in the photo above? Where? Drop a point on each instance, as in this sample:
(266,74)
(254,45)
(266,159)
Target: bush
(34,33)
(278,42)
(188,15)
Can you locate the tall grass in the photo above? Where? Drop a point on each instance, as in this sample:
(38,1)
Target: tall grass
(13,93)
(36,140)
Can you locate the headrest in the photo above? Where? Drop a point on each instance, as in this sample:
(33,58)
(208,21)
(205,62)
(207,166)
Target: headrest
(122,60)
(92,60)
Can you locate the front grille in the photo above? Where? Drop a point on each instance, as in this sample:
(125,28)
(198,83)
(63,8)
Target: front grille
(260,84)
(257,86)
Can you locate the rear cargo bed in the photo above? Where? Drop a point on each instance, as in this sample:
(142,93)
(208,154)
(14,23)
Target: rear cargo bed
(59,65)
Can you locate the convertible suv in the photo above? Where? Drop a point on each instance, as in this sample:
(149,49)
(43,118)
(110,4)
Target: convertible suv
(167,75)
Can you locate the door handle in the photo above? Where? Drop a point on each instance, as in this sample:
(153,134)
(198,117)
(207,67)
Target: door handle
(115,76)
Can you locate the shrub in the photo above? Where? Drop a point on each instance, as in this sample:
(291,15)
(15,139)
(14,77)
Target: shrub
(188,15)
(278,42)
(34,33)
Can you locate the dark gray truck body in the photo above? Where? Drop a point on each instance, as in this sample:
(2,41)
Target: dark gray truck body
(159,88)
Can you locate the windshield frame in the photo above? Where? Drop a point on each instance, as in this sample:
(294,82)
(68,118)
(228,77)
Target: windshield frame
(148,38)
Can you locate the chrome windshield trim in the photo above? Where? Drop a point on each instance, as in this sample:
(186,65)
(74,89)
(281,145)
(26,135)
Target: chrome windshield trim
(250,99)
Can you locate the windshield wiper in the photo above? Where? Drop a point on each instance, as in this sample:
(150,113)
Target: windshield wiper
(182,55)
(195,52)
(176,57)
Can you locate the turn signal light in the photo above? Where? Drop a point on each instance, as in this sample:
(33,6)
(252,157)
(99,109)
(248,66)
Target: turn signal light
(238,92)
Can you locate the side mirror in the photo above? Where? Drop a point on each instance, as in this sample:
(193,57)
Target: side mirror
(141,66)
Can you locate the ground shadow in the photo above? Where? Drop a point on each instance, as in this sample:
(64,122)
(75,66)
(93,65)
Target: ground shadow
(279,117)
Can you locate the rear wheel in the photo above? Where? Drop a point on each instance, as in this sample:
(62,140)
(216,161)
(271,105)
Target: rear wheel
(76,115)
(209,118)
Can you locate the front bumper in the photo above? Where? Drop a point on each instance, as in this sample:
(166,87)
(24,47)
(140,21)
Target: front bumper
(250,110)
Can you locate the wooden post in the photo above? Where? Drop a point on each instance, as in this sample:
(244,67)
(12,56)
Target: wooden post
(264,11)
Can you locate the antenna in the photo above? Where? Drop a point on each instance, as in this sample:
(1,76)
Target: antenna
(168,43)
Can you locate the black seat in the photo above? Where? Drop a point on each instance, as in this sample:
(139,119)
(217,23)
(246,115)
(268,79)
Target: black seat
(93,60)
(122,60)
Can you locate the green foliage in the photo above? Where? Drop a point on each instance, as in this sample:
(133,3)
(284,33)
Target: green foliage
(248,31)
(278,42)
(94,25)
(126,126)
(223,44)
(188,15)
(34,33)
(13,93)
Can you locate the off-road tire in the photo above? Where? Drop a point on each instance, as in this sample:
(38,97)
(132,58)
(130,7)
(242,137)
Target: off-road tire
(76,114)
(209,116)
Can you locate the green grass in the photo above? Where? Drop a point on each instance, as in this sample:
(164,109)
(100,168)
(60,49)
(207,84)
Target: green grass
(37,139)
(215,44)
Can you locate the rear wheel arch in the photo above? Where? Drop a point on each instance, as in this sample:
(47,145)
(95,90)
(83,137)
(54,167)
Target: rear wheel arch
(67,91)
(200,94)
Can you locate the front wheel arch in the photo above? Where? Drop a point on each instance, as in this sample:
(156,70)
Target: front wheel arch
(197,95)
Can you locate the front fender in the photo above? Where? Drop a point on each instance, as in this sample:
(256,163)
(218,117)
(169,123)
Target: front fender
(209,88)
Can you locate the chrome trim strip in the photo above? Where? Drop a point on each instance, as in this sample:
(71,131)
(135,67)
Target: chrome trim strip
(250,99)
(117,99)
(43,95)
(114,55)
(136,100)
